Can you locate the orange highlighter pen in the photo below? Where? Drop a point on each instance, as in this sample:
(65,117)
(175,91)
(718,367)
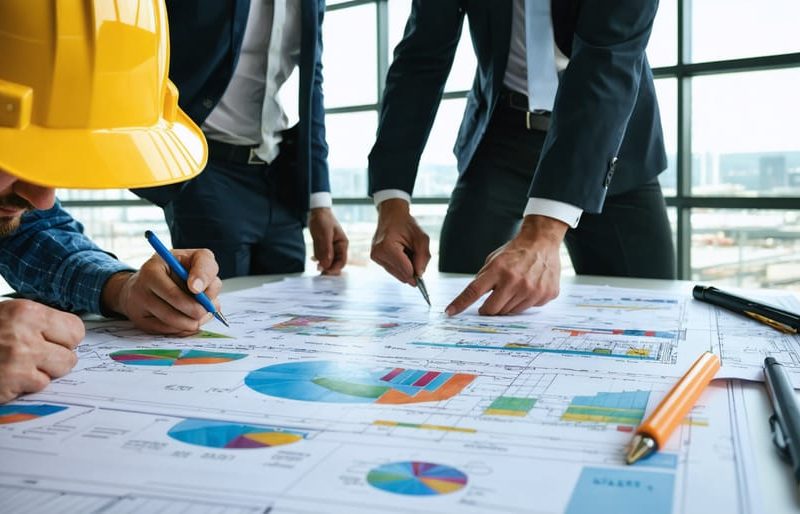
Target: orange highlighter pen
(653,434)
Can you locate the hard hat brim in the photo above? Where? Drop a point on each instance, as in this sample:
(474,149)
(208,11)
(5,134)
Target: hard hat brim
(120,158)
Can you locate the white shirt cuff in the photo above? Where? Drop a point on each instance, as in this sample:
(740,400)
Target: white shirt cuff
(321,199)
(388,194)
(561,211)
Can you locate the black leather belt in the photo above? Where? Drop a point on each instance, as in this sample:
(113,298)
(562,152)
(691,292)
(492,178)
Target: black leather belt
(240,154)
(537,120)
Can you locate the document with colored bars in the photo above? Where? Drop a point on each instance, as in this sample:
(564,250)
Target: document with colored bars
(349,395)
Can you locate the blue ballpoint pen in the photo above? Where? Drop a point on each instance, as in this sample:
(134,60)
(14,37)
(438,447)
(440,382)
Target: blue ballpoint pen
(179,270)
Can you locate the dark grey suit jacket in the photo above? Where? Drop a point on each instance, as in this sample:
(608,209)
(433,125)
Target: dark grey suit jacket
(605,110)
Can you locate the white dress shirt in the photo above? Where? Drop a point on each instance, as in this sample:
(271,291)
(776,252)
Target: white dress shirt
(250,112)
(516,79)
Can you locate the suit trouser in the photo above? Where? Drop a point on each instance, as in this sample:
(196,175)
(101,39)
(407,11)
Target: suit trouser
(234,210)
(631,237)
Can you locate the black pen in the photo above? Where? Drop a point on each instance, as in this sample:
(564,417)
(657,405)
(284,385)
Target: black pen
(779,319)
(785,422)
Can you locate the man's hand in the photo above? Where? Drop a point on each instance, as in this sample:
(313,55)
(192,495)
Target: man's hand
(399,244)
(330,241)
(36,344)
(522,273)
(157,301)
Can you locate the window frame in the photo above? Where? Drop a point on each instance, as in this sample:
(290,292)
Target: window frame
(683,71)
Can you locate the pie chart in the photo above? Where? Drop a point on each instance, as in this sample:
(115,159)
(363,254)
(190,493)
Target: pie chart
(343,382)
(172,357)
(16,413)
(222,434)
(416,478)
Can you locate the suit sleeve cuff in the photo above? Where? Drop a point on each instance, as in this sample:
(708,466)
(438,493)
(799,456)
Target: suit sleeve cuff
(561,211)
(388,194)
(320,200)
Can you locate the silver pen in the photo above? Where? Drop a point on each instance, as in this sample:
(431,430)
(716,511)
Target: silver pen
(423,289)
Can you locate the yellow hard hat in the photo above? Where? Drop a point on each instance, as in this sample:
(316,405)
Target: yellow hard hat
(84,97)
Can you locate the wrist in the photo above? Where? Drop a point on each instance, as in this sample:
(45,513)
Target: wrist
(319,211)
(111,296)
(393,206)
(535,226)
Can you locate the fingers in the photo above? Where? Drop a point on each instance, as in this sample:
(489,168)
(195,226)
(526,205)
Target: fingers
(201,265)
(55,360)
(32,382)
(20,376)
(482,284)
(154,288)
(323,248)
(497,302)
(339,256)
(171,304)
(213,290)
(421,254)
(61,328)
(36,343)
(520,306)
(170,310)
(394,260)
(154,325)
(399,244)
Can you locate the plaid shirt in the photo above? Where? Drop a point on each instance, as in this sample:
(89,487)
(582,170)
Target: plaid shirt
(49,259)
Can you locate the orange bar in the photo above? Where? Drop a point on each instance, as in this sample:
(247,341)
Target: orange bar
(679,401)
(447,390)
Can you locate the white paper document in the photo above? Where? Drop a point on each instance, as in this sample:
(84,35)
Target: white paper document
(335,395)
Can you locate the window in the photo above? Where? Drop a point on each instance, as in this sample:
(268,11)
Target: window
(727,94)
(744,134)
(733,29)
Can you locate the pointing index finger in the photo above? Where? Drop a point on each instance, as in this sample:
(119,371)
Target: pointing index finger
(474,290)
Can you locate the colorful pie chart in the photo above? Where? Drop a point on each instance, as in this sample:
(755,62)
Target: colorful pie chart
(417,478)
(17,413)
(172,357)
(222,434)
(342,382)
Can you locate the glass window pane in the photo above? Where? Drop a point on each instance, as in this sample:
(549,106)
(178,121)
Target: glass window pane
(732,29)
(95,194)
(358,222)
(746,248)
(667,93)
(744,134)
(437,168)
(662,50)
(349,56)
(120,230)
(464,64)
(350,137)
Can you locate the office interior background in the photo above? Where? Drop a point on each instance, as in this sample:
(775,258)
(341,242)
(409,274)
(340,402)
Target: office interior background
(728,77)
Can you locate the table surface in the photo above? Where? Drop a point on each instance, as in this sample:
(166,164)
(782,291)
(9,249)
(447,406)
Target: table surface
(779,493)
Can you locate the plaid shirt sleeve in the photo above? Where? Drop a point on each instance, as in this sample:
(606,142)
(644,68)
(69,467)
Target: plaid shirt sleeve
(49,259)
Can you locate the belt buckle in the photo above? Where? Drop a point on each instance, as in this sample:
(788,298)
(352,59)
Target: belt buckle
(530,118)
(253,158)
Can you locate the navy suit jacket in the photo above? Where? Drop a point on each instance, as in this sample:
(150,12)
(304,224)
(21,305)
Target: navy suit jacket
(205,41)
(605,107)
